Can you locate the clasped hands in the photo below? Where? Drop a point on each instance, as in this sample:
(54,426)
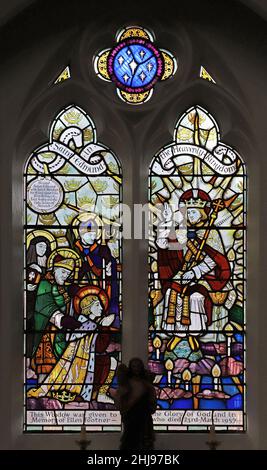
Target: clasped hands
(185,278)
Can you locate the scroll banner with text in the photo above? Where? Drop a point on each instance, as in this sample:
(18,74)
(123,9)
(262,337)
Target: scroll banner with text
(222,160)
(89,161)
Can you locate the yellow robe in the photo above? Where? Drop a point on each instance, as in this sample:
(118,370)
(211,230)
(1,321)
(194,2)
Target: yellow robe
(69,374)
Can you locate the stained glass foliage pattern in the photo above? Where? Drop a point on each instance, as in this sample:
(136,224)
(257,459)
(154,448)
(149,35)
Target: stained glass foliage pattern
(203,73)
(197,279)
(64,75)
(73,262)
(135,64)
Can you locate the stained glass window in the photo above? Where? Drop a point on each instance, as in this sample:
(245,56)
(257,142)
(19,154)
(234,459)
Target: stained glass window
(64,75)
(135,64)
(72,317)
(197,279)
(205,75)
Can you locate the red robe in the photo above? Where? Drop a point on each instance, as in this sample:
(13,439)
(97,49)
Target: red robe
(102,359)
(172,261)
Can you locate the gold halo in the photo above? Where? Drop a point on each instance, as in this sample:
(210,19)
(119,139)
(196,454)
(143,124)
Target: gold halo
(85,218)
(65,253)
(41,233)
(90,290)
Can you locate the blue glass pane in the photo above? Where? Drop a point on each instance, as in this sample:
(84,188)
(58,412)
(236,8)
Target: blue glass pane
(140,53)
(182,404)
(239,337)
(211,404)
(235,403)
(163,404)
(135,66)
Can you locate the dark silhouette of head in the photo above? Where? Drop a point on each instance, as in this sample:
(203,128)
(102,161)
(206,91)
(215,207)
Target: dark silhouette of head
(137,368)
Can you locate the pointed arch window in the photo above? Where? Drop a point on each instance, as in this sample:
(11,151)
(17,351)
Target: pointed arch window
(72,319)
(197,279)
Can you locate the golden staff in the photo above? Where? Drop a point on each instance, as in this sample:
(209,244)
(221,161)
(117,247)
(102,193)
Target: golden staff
(115,177)
(196,129)
(217,205)
(194,255)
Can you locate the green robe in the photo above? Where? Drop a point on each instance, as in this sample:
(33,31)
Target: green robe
(48,301)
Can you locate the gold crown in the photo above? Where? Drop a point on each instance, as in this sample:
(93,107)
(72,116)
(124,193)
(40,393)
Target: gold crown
(64,396)
(59,233)
(88,300)
(73,117)
(196,203)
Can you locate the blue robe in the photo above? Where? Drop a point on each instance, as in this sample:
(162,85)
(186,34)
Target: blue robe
(91,269)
